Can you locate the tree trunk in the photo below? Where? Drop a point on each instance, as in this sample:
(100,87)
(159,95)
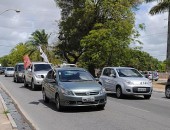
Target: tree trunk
(91,69)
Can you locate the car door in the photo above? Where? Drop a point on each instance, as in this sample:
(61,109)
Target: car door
(112,79)
(52,85)
(106,79)
(46,84)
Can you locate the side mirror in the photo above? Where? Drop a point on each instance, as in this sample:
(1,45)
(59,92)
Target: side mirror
(113,75)
(52,81)
(97,79)
(29,69)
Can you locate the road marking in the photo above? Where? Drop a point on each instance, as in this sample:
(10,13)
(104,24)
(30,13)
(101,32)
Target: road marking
(131,107)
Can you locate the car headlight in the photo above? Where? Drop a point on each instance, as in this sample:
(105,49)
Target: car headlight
(20,74)
(102,90)
(129,82)
(38,76)
(66,92)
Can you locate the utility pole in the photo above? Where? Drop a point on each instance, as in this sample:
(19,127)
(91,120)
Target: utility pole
(168,44)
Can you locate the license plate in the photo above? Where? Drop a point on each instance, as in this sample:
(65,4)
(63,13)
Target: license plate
(88,99)
(141,89)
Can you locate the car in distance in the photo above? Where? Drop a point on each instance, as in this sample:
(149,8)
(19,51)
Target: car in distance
(71,87)
(125,81)
(35,74)
(152,75)
(9,71)
(19,72)
(2,70)
(167,88)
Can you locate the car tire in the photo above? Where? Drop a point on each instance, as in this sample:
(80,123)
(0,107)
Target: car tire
(119,92)
(57,102)
(147,96)
(45,98)
(167,92)
(14,79)
(101,107)
(25,83)
(33,87)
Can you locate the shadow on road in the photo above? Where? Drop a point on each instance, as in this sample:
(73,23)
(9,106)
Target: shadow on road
(69,109)
(126,97)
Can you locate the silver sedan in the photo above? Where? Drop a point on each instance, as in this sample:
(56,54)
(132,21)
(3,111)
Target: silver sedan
(73,87)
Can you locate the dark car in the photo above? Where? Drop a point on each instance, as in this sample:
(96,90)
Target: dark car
(73,87)
(2,70)
(18,72)
(167,88)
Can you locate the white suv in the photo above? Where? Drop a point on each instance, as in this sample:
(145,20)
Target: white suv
(125,81)
(35,74)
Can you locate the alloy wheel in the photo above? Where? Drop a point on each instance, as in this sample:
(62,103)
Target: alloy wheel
(167,92)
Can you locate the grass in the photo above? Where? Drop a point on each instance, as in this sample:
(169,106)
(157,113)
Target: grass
(6,112)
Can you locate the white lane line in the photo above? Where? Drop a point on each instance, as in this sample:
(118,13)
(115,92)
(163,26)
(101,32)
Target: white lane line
(131,106)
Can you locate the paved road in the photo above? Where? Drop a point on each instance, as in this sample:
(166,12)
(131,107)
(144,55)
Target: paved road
(132,113)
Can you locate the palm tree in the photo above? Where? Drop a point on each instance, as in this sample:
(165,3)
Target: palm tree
(161,7)
(38,38)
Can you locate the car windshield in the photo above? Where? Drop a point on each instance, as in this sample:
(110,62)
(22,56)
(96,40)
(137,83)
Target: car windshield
(10,69)
(20,67)
(42,67)
(126,72)
(74,75)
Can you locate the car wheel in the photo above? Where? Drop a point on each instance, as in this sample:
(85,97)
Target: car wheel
(119,92)
(45,98)
(147,96)
(167,92)
(16,80)
(57,101)
(25,83)
(32,85)
(101,107)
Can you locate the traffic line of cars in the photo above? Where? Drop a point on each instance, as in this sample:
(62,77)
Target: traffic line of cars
(72,86)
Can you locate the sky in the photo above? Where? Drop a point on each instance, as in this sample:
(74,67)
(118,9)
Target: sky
(44,14)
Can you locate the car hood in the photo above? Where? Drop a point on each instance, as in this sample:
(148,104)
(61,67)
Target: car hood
(81,86)
(44,73)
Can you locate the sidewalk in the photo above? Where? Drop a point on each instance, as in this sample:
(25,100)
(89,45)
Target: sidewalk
(5,123)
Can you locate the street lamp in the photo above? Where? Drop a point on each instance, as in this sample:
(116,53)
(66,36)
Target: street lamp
(17,11)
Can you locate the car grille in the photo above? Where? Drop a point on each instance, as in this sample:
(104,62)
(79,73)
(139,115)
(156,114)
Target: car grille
(135,90)
(86,93)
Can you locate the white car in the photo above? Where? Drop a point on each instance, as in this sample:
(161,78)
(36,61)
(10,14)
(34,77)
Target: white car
(35,74)
(9,71)
(125,81)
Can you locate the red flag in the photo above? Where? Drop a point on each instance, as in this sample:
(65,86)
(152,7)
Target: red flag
(27,61)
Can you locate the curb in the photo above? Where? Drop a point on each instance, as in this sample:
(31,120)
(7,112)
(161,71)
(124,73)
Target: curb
(14,126)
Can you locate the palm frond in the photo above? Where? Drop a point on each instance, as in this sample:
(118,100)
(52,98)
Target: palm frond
(160,7)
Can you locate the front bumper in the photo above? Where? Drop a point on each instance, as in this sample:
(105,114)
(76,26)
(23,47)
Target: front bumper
(38,81)
(77,100)
(137,90)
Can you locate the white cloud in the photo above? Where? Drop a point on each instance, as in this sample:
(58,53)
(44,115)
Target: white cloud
(17,27)
(154,37)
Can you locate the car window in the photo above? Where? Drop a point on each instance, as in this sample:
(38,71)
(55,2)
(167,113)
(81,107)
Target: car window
(107,72)
(126,72)
(49,75)
(10,69)
(20,67)
(42,67)
(74,75)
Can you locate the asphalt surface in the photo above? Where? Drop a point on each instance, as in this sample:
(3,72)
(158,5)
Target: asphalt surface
(130,113)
